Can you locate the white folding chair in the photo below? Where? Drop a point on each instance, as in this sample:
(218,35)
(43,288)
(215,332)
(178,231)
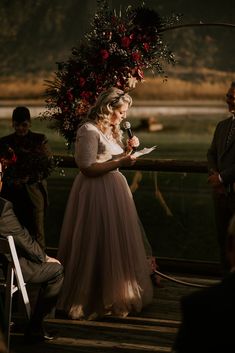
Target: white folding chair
(7,248)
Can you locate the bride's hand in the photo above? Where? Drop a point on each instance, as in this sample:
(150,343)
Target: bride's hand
(127,161)
(133,142)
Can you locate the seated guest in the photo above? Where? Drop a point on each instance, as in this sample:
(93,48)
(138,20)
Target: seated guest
(207,315)
(36,266)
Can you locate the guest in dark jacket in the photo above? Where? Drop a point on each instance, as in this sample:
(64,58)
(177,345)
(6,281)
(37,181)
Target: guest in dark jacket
(221,165)
(25,183)
(36,266)
(208,314)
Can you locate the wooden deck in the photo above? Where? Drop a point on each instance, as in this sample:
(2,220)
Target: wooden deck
(153,330)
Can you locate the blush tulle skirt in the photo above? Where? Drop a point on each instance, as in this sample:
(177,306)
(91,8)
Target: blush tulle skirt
(102,250)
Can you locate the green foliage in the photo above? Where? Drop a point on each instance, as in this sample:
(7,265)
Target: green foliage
(35,34)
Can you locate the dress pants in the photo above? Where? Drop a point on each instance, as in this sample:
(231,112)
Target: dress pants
(224,205)
(50,277)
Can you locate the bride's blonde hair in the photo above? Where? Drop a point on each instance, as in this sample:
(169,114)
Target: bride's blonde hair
(104,107)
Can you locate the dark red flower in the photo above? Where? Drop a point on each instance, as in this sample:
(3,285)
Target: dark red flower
(136,56)
(115,52)
(13,158)
(81,81)
(125,42)
(69,95)
(146,46)
(86,95)
(104,54)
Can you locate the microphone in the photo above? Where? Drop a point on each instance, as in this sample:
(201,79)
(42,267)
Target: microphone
(127,126)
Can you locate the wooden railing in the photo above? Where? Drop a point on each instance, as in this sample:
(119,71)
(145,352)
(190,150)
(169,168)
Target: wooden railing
(163,165)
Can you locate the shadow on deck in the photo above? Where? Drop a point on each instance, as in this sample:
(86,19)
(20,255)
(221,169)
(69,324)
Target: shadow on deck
(152,330)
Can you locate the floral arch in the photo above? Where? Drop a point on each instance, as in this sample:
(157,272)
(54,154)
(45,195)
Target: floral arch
(117,51)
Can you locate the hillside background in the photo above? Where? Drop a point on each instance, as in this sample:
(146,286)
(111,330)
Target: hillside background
(36,34)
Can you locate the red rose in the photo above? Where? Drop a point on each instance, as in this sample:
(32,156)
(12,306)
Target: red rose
(86,95)
(104,53)
(136,56)
(13,158)
(146,46)
(125,42)
(69,95)
(81,81)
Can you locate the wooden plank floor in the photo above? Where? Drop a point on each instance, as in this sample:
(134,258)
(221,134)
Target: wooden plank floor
(152,330)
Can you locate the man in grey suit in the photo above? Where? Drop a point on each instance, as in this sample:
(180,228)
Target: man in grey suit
(221,165)
(36,266)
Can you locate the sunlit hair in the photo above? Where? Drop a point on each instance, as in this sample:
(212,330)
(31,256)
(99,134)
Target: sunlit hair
(106,103)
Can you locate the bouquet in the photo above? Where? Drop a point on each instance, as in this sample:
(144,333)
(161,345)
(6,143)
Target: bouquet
(27,166)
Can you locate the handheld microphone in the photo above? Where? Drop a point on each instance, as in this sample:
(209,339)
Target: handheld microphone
(127,126)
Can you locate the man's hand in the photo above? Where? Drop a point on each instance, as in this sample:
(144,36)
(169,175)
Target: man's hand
(214,180)
(52,259)
(216,183)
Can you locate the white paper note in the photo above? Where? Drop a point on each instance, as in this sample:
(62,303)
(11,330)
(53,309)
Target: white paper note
(143,151)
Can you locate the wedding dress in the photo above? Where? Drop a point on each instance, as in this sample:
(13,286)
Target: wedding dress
(102,240)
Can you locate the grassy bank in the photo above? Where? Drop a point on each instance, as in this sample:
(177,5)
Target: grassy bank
(182,84)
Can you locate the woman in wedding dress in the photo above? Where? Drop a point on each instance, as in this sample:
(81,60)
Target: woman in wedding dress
(102,239)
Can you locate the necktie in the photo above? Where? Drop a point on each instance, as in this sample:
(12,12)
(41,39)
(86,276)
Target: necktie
(231,132)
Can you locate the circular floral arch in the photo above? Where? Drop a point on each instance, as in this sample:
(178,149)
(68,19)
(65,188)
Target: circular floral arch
(116,52)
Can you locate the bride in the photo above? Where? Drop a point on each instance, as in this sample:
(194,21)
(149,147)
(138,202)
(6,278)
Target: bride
(103,246)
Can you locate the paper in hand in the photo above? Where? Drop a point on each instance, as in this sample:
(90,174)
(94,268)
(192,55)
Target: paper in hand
(143,151)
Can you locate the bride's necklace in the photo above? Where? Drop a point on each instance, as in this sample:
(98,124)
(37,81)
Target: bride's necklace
(109,134)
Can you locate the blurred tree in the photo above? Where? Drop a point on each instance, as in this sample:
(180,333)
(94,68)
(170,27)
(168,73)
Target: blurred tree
(36,34)
(193,49)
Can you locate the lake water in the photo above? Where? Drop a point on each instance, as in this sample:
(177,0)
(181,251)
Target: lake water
(141,109)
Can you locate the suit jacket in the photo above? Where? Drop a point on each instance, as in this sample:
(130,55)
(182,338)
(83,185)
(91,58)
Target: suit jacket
(208,320)
(30,254)
(221,158)
(33,142)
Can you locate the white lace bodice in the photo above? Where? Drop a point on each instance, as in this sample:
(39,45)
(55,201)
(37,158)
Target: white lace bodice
(92,146)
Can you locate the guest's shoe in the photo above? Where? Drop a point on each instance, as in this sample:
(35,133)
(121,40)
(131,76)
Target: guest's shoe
(37,336)
(49,336)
